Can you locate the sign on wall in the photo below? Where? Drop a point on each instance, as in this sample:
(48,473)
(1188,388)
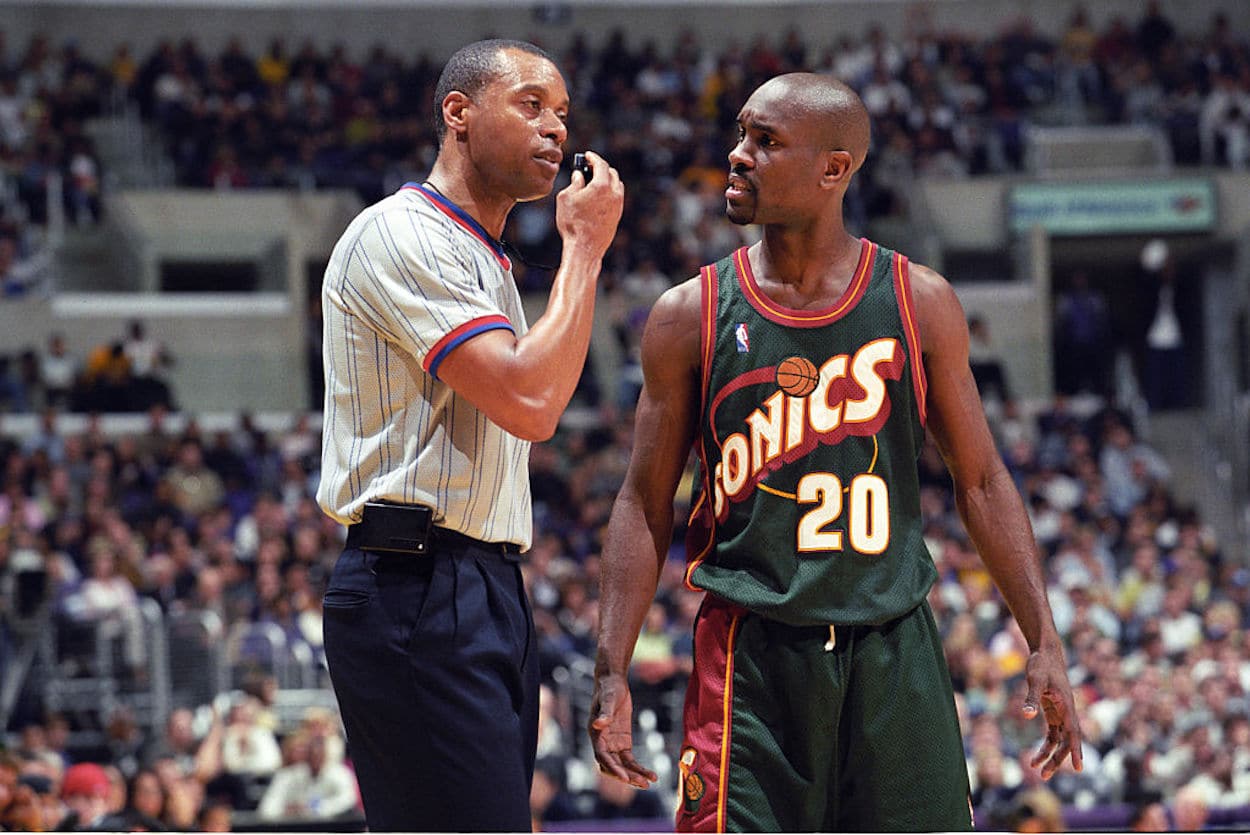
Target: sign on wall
(1107,208)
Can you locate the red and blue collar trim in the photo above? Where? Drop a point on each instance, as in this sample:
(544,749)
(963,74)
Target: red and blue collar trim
(465,221)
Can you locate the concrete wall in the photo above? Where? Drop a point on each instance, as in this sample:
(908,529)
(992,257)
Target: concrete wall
(233,351)
(190,225)
(438,27)
(972,214)
(248,351)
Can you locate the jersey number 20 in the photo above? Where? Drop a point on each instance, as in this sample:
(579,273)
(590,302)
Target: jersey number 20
(867,508)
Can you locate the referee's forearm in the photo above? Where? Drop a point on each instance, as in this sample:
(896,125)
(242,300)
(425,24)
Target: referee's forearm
(550,357)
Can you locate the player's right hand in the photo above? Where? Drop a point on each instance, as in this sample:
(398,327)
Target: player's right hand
(587,213)
(611,727)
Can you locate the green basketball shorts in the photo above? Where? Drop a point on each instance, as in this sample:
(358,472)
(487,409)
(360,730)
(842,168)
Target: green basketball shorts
(799,729)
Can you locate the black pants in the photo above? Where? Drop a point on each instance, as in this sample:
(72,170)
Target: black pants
(434,662)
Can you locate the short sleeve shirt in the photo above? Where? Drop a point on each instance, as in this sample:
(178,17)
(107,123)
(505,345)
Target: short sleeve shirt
(412,278)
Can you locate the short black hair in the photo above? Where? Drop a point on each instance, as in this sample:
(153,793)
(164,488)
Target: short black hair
(471,68)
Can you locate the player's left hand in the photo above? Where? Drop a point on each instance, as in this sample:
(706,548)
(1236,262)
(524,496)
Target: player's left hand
(611,731)
(1050,692)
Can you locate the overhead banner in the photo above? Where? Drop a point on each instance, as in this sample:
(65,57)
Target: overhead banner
(1114,208)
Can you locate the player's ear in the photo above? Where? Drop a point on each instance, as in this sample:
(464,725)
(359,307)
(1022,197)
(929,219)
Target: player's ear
(839,165)
(455,112)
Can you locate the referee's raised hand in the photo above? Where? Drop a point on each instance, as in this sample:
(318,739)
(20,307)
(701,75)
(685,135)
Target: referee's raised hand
(587,212)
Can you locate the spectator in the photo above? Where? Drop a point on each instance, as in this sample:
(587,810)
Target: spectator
(308,787)
(1082,342)
(145,806)
(1189,810)
(107,600)
(550,802)
(178,742)
(85,790)
(321,723)
(248,749)
(33,746)
(1038,810)
(1149,816)
(58,373)
(196,488)
(32,805)
(82,187)
(1170,314)
(987,365)
(14,395)
(617,801)
(1079,79)
(149,359)
(21,275)
(215,817)
(1179,628)
(1128,467)
(106,380)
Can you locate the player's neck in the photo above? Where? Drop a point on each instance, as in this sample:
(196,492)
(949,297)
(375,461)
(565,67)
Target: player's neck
(807,260)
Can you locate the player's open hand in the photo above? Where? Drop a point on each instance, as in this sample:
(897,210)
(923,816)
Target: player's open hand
(587,213)
(1050,693)
(611,731)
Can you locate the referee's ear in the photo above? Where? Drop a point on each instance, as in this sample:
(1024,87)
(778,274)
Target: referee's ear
(455,112)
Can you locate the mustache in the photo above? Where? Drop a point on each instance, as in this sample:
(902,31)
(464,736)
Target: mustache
(739,173)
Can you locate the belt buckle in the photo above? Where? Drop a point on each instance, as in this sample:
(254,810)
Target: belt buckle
(399,543)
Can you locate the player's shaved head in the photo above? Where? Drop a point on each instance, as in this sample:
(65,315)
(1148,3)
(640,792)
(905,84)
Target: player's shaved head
(472,67)
(835,112)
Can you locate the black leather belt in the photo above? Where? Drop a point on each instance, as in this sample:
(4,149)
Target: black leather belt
(410,529)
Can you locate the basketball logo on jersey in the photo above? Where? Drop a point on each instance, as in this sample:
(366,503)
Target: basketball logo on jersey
(742,338)
(692,786)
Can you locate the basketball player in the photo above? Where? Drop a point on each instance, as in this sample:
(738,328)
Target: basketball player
(434,390)
(804,370)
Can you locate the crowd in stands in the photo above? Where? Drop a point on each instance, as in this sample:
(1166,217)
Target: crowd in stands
(310,116)
(1153,609)
(128,373)
(942,102)
(48,164)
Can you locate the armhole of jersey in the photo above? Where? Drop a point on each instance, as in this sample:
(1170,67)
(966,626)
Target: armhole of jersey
(708,284)
(906,310)
(707,330)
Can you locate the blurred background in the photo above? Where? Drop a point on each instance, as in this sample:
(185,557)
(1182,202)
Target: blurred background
(174,174)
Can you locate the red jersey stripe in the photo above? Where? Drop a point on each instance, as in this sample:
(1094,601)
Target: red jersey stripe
(902,291)
(467,331)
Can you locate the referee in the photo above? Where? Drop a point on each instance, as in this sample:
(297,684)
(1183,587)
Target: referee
(435,388)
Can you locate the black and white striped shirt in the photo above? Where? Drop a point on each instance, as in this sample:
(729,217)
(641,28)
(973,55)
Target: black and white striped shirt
(412,278)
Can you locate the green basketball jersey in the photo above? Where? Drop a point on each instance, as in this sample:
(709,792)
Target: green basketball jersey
(807,505)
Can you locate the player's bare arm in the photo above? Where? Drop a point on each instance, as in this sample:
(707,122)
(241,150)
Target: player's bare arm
(524,385)
(641,526)
(992,511)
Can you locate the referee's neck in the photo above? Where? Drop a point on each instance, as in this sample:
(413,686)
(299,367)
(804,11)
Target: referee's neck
(457,180)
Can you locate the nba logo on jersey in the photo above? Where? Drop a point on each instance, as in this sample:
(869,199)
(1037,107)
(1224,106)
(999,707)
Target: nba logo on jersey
(742,337)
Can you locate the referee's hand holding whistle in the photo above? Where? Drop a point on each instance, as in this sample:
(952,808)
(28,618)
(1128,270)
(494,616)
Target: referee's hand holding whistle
(525,383)
(587,212)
